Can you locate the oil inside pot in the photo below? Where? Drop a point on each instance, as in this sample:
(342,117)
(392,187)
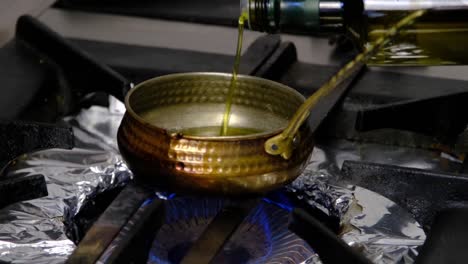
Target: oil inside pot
(212,131)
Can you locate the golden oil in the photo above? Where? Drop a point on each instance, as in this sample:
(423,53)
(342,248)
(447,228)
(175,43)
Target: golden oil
(232,87)
(439,37)
(213,131)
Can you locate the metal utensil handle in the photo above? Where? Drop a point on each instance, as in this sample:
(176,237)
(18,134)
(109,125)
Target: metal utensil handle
(282,144)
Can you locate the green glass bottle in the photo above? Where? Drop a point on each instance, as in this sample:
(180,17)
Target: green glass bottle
(440,37)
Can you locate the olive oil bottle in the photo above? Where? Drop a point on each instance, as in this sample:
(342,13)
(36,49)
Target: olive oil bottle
(439,37)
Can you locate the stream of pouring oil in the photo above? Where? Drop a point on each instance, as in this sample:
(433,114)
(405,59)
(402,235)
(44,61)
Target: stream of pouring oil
(235,71)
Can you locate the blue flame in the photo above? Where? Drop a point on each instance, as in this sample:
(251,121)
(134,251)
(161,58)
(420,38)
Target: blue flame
(155,259)
(279,199)
(187,208)
(192,207)
(165,196)
(162,196)
(147,201)
(261,218)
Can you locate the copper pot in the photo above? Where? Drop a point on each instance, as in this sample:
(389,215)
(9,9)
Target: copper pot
(161,140)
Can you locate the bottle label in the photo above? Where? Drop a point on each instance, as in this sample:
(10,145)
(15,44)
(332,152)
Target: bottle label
(373,5)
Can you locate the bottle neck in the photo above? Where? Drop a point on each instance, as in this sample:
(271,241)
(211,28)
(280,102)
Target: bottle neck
(295,16)
(331,14)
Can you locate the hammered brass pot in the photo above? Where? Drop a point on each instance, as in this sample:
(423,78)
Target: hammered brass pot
(160,140)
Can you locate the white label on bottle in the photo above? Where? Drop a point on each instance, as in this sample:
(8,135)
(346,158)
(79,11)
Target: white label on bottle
(371,5)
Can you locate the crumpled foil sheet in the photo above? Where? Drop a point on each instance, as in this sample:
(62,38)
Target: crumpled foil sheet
(376,226)
(33,231)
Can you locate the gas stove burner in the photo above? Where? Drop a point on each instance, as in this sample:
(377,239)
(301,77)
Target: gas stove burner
(262,237)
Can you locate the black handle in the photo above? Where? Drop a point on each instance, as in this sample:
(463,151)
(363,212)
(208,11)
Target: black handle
(20,137)
(84,73)
(447,240)
(434,116)
(22,188)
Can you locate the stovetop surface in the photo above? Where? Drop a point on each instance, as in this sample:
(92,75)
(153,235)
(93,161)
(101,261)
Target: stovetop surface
(76,177)
(80,181)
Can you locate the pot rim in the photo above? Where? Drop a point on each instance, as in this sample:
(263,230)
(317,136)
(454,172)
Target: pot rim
(262,135)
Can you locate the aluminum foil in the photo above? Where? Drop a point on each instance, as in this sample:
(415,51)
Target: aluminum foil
(382,230)
(33,231)
(378,227)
